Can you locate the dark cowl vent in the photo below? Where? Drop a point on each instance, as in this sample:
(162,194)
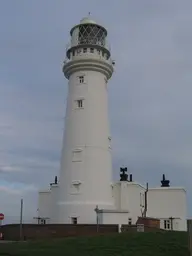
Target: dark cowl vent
(123,174)
(164,182)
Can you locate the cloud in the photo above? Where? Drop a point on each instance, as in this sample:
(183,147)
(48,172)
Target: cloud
(149,93)
(9,168)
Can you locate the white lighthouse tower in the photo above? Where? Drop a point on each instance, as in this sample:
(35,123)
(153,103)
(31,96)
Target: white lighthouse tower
(86,165)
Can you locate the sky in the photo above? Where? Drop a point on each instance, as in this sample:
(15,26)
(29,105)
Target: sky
(149,93)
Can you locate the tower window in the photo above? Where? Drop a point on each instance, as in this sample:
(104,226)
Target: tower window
(92,50)
(73,53)
(103,53)
(79,103)
(84,49)
(77,155)
(98,51)
(109,140)
(74,220)
(81,79)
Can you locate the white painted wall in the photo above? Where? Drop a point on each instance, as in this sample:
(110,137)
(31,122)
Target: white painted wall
(86,129)
(166,202)
(44,203)
(134,192)
(163,203)
(85,181)
(116,193)
(114,218)
(127,197)
(53,204)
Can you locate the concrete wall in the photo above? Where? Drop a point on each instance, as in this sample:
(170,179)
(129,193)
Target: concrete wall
(44,204)
(114,217)
(12,232)
(166,202)
(85,182)
(127,196)
(53,204)
(116,193)
(35,232)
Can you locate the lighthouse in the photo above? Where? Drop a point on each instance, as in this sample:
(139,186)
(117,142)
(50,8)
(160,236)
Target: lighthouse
(85,180)
(85,192)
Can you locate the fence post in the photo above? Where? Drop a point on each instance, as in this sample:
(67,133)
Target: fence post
(189,230)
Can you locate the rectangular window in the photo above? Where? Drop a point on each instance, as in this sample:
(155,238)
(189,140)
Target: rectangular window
(79,103)
(129,221)
(142,200)
(77,155)
(84,50)
(73,53)
(98,51)
(74,220)
(43,221)
(81,79)
(92,50)
(167,224)
(109,141)
(75,188)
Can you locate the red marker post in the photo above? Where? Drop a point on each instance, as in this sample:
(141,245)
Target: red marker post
(2,216)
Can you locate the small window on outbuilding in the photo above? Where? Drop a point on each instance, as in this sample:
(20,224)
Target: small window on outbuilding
(167,224)
(74,220)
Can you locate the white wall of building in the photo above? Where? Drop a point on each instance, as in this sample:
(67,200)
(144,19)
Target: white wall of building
(116,193)
(166,202)
(44,204)
(53,204)
(86,176)
(163,203)
(135,193)
(113,217)
(127,196)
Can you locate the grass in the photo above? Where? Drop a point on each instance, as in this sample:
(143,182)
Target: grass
(137,244)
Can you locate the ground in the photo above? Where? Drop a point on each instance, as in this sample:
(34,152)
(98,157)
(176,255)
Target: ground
(164,244)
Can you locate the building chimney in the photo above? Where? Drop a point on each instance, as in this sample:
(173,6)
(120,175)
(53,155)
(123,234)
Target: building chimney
(164,182)
(123,175)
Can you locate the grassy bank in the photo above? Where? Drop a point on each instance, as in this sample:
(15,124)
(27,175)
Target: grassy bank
(137,244)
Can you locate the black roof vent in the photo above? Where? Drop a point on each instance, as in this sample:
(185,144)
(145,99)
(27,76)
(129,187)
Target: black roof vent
(164,182)
(123,175)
